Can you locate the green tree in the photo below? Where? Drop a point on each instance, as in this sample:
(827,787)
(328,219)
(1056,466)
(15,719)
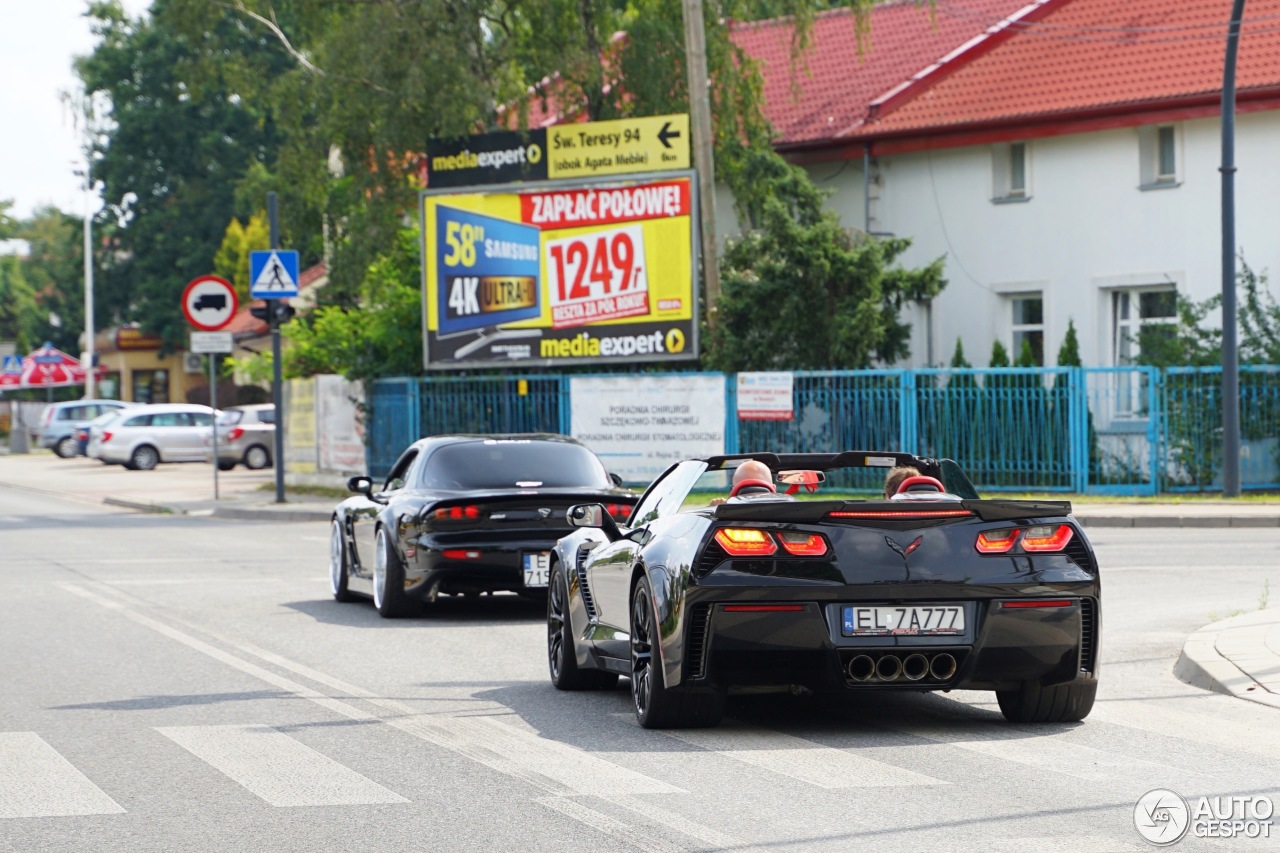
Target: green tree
(54,268)
(238,241)
(19,313)
(177,143)
(8,226)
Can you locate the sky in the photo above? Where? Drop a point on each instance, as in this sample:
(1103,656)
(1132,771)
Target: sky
(40,149)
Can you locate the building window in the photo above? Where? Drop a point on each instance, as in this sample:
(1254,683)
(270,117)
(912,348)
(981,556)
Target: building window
(1134,310)
(1028,326)
(150,386)
(1009,166)
(1159,156)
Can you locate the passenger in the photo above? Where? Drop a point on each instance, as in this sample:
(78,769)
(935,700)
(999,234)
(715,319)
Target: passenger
(752,469)
(894,478)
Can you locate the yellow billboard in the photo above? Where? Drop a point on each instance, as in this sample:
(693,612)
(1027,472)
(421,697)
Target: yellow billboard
(560,274)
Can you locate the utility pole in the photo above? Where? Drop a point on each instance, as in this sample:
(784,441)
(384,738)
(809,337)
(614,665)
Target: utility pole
(276,374)
(87,359)
(1230,357)
(695,46)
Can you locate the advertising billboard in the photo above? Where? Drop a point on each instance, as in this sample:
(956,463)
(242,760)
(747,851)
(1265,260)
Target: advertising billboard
(556,273)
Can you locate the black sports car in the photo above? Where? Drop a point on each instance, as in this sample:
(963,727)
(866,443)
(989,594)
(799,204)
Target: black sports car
(931,589)
(464,514)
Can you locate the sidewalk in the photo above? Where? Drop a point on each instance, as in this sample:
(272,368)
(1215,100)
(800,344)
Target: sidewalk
(1239,656)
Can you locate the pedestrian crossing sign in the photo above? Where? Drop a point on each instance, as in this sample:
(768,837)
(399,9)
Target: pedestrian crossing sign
(273,274)
(12,365)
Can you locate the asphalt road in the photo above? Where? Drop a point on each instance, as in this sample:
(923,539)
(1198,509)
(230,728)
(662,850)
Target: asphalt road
(175,683)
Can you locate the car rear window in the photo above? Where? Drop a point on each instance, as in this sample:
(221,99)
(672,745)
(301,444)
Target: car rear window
(231,417)
(504,464)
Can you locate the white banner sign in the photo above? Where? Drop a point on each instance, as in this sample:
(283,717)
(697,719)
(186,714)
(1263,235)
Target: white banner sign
(765,396)
(639,425)
(210,342)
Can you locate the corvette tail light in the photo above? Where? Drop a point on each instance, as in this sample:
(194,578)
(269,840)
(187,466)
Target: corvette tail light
(469,512)
(803,544)
(745,542)
(901,515)
(997,541)
(106,436)
(763,608)
(620,511)
(1047,538)
(1053,602)
(461,554)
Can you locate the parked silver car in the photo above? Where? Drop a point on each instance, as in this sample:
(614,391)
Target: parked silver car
(60,421)
(246,435)
(142,437)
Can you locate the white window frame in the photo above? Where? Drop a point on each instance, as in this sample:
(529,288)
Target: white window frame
(1131,391)
(1004,161)
(1152,141)
(1016,328)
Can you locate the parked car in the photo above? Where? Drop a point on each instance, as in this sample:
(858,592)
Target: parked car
(141,438)
(929,589)
(464,514)
(83,433)
(60,421)
(246,435)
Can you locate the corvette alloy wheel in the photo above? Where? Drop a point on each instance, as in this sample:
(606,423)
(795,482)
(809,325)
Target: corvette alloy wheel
(642,674)
(380,571)
(556,608)
(338,563)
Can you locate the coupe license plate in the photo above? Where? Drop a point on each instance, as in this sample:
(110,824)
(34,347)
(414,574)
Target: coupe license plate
(920,620)
(537,568)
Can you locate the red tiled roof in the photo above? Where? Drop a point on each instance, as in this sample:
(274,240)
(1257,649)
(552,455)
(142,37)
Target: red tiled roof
(1086,58)
(828,95)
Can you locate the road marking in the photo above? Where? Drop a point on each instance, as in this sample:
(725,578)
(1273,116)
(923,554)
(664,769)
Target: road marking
(441,731)
(1059,844)
(1258,736)
(801,759)
(35,781)
(609,826)
(1044,751)
(278,768)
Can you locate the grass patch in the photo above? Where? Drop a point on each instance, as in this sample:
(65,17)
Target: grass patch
(309,491)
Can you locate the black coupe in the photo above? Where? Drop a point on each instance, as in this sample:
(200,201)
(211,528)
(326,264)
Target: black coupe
(781,586)
(464,514)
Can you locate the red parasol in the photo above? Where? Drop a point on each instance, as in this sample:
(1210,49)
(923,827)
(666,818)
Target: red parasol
(47,367)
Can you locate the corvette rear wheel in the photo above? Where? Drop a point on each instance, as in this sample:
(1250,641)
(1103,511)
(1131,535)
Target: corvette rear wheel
(658,707)
(388,579)
(338,569)
(1058,703)
(562,658)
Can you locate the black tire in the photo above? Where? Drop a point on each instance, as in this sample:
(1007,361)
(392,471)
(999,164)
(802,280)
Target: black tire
(562,659)
(656,706)
(339,567)
(224,465)
(388,579)
(66,447)
(257,458)
(144,458)
(1059,703)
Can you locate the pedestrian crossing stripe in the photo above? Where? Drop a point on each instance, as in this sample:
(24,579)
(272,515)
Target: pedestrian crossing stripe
(273,274)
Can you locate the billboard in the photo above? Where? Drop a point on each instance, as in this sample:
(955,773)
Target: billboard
(555,274)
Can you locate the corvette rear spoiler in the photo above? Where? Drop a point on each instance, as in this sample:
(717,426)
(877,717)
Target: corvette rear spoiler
(882,510)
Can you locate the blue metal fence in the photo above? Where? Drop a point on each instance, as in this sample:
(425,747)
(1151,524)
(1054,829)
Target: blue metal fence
(1121,430)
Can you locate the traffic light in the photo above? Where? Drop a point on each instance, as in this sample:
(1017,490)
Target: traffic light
(273,312)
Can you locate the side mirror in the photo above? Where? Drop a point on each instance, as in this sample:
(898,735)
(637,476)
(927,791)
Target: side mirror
(361,485)
(593,515)
(615,479)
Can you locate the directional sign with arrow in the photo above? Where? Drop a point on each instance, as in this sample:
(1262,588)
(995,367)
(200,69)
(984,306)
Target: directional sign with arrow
(667,134)
(619,147)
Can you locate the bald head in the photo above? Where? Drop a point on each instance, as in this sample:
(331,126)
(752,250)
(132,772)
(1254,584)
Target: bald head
(752,470)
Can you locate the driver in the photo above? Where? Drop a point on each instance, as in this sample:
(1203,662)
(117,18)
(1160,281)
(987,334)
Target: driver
(894,478)
(752,469)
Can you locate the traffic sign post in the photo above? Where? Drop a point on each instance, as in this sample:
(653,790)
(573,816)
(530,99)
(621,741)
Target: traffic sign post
(209,303)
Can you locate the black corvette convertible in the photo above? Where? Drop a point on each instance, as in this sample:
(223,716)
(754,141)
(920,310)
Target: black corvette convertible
(464,514)
(783,587)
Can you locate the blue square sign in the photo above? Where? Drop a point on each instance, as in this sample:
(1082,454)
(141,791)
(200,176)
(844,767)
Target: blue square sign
(273,274)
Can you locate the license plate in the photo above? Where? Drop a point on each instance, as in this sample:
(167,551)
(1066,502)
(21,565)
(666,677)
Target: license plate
(537,568)
(919,620)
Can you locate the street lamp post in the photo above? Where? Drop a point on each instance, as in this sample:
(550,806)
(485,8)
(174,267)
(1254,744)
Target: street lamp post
(1230,357)
(89,331)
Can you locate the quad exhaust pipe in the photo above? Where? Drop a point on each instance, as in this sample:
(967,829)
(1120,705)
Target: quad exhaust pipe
(915,667)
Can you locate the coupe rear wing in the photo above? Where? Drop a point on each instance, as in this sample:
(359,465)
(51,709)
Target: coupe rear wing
(883,510)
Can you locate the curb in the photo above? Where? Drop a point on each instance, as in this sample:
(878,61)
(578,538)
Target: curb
(240,513)
(1201,665)
(143,506)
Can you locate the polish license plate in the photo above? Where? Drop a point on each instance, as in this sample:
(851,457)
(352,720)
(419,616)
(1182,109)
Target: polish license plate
(537,568)
(918,620)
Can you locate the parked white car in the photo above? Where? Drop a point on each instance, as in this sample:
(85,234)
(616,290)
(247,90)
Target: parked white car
(142,437)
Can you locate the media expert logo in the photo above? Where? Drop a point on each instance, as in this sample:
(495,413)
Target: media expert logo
(466,159)
(1164,817)
(586,345)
